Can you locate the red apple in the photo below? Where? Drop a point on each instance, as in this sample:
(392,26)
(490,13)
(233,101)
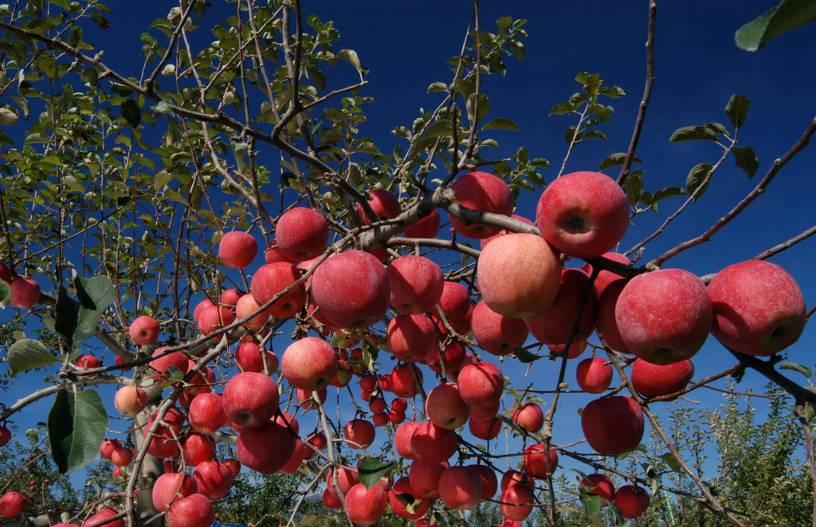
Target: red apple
(213,479)
(631,501)
(270,281)
(517,502)
(247,305)
(583,214)
(404,380)
(302,233)
(540,461)
(460,488)
(193,511)
(122,456)
(607,325)
(254,449)
(170,485)
(455,301)
(654,380)
(214,318)
(416,284)
(575,349)
(365,506)
(605,277)
(250,357)
(529,416)
(164,364)
(424,478)
(197,449)
(575,298)
(514,477)
(433,444)
(206,413)
(130,400)
(484,241)
(309,363)
(412,338)
(103,518)
(599,485)
(427,227)
(402,439)
(165,443)
(25,292)
(495,333)
(445,407)
(485,193)
(485,429)
(384,204)
(229,297)
(758,308)
(144,330)
(612,425)
(5,436)
(488,478)
(107,447)
(237,249)
(480,384)
(401,496)
(88,362)
(250,399)
(200,307)
(359,433)
(594,375)
(273,254)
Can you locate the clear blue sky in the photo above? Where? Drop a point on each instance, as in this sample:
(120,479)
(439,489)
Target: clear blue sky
(405,46)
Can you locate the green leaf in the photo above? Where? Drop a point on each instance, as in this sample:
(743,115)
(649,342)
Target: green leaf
(132,113)
(351,56)
(693,133)
(718,127)
(696,177)
(438,129)
(437,87)
(76,319)
(5,293)
(633,186)
(795,366)
(786,16)
(76,427)
(592,508)
(372,469)
(525,356)
(737,109)
(746,159)
(671,462)
(616,159)
(502,123)
(27,354)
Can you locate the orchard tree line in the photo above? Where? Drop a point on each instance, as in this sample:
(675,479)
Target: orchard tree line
(295,327)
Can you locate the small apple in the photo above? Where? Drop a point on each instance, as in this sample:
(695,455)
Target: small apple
(237,249)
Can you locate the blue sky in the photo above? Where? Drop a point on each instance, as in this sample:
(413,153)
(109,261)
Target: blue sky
(406,45)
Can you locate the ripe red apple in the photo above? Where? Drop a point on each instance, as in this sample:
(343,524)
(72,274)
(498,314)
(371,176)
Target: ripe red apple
(554,325)
(165,443)
(143,330)
(758,308)
(253,447)
(347,477)
(485,429)
(514,477)
(454,358)
(5,436)
(484,241)
(317,441)
(495,333)
(427,227)
(517,502)
(330,498)
(424,478)
(664,316)
(247,305)
(445,407)
(200,307)
(488,478)
(433,444)
(193,511)
(529,416)
(122,456)
(250,399)
(599,485)
(351,289)
(402,439)
(214,318)
(309,363)
(302,233)
(237,249)
(365,506)
(612,425)
(483,192)
(229,297)
(130,400)
(605,277)
(594,375)
(575,349)
(519,275)
(480,384)
(359,433)
(654,380)
(401,496)
(460,488)
(486,411)
(88,362)
(107,447)
(170,485)
(384,204)
(25,292)
(273,254)
(103,518)
(583,214)
(403,382)
(271,280)
(412,338)
(540,461)
(294,462)
(455,301)
(606,324)
(631,501)
(206,413)
(234,465)
(416,284)
(305,398)
(164,364)
(250,357)
(213,479)
(196,449)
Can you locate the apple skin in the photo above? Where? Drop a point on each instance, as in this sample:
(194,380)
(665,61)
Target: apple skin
(433,444)
(247,305)
(530,417)
(403,382)
(599,485)
(164,444)
(612,425)
(122,456)
(309,363)
(287,420)
(485,411)
(197,449)
(488,478)
(250,357)
(253,447)
(460,488)
(480,384)
(495,333)
(25,292)
(664,316)
(485,429)
(164,363)
(554,325)
(351,289)
(594,375)
(273,254)
(206,413)
(302,233)
(346,478)
(517,502)
(107,447)
(200,307)
(427,227)
(514,477)
(454,358)
(366,506)
(237,249)
(484,241)
(575,349)
(412,338)
(130,400)
(605,277)
(758,308)
(270,280)
(402,487)
(483,192)
(402,439)
(583,214)
(5,436)
(631,501)
(540,461)
(455,301)
(384,204)
(168,486)
(213,479)
(445,407)
(359,433)
(655,380)
(424,478)
(416,284)
(193,511)
(143,330)
(230,297)
(12,505)
(606,324)
(518,275)
(330,499)
(101,517)
(214,318)
(250,399)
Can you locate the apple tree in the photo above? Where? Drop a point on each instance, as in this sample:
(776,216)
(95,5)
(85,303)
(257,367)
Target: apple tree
(252,312)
